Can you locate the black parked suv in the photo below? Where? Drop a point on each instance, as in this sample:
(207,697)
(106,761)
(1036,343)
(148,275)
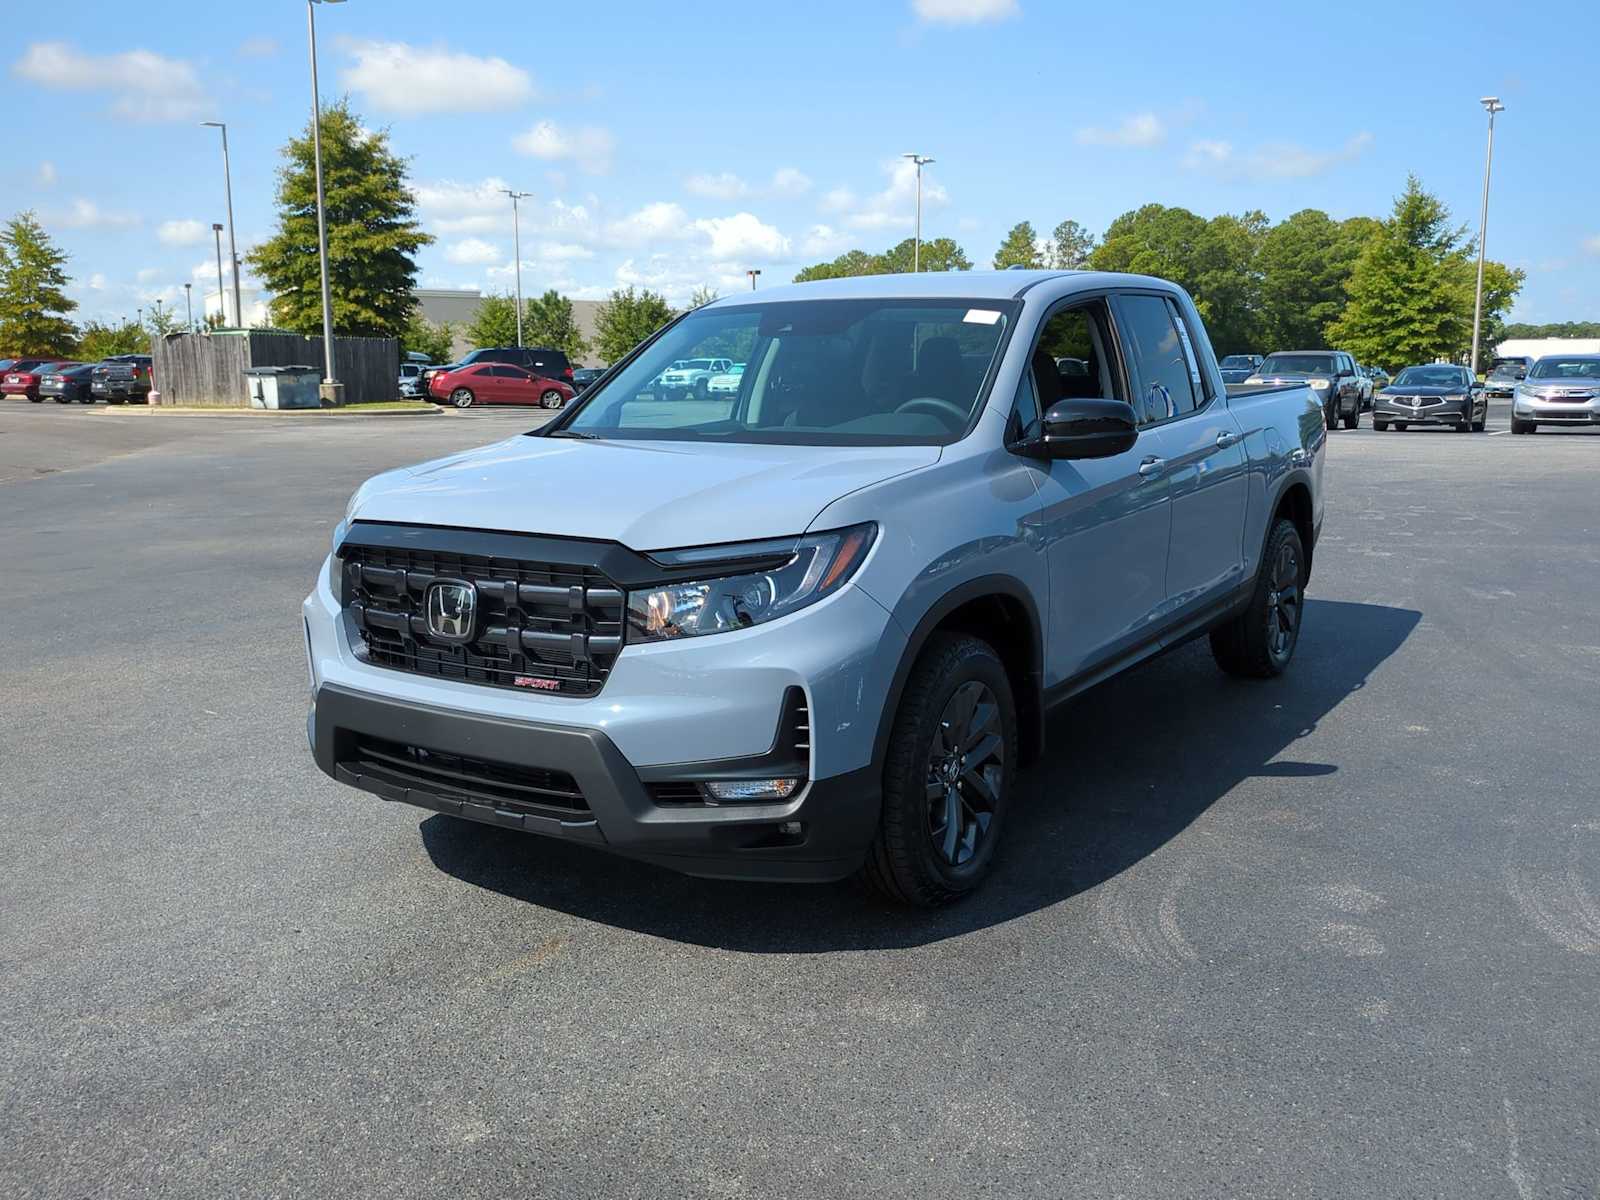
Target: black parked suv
(536,360)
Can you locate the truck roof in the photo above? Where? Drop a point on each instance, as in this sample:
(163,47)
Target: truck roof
(977,285)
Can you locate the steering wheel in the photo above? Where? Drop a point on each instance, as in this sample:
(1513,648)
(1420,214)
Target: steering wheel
(935,407)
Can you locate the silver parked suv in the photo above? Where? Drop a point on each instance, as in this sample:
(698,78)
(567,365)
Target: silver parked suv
(1561,389)
(813,628)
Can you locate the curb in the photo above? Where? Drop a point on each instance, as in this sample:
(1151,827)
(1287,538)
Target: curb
(266,413)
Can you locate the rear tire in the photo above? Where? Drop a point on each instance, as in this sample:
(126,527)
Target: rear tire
(113,399)
(63,399)
(35,399)
(1260,642)
(947,777)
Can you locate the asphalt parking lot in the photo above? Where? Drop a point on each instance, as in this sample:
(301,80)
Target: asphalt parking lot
(1335,935)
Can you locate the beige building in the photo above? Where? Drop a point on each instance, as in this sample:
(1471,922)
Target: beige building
(458,307)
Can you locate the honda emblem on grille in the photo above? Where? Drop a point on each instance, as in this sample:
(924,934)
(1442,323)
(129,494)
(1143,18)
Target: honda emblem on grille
(452,611)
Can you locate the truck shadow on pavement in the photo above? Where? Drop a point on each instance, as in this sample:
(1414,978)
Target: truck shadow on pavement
(1126,768)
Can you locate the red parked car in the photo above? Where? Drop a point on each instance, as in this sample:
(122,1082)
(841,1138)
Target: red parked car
(497,383)
(22,377)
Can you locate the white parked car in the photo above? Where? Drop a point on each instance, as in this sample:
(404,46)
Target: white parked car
(726,385)
(691,375)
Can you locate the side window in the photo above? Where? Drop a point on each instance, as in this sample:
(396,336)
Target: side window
(1152,340)
(1025,411)
(1072,360)
(1202,392)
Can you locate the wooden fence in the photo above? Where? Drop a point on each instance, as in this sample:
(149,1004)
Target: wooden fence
(208,368)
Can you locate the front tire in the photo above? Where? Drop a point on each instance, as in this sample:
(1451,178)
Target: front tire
(1260,642)
(462,398)
(550,399)
(1380,426)
(1520,426)
(948,775)
(1400,426)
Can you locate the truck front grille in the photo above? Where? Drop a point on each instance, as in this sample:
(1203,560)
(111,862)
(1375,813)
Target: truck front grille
(543,627)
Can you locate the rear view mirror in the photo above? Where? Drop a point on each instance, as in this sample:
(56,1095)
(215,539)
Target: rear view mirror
(1085,428)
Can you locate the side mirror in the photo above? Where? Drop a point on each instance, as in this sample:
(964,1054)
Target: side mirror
(1084,428)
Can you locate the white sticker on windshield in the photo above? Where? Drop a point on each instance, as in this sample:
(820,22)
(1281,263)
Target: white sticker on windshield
(981,316)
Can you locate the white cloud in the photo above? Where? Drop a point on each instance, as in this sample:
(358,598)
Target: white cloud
(86,214)
(47,174)
(1141,129)
(839,199)
(563,251)
(723,186)
(742,235)
(1279,160)
(472,252)
(653,222)
(258,47)
(1592,244)
(146,86)
(895,206)
(453,208)
(964,12)
(790,181)
(186,232)
(97,282)
(589,146)
(400,78)
(824,241)
(149,274)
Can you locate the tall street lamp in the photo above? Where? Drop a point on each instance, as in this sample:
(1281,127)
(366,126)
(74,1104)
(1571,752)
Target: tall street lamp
(753,272)
(916,246)
(222,305)
(233,246)
(1492,105)
(516,249)
(188,304)
(330,382)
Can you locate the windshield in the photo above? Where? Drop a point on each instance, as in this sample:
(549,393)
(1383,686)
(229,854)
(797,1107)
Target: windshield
(1566,368)
(817,372)
(1431,377)
(1298,364)
(1508,368)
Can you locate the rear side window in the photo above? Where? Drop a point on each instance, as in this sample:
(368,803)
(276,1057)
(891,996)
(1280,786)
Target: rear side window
(1166,388)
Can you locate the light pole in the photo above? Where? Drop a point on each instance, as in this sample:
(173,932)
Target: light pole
(233,246)
(1492,105)
(330,382)
(916,246)
(188,304)
(753,272)
(222,304)
(516,249)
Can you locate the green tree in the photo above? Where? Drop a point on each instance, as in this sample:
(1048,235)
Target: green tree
(850,263)
(495,323)
(548,320)
(1020,248)
(703,296)
(33,299)
(162,321)
(422,336)
(98,341)
(1557,329)
(1306,263)
(1411,292)
(1069,247)
(626,318)
(373,234)
(941,254)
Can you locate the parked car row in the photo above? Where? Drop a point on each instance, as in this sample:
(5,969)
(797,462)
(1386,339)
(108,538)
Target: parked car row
(120,379)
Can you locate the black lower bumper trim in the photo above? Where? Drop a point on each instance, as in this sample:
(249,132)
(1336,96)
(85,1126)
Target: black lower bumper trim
(836,816)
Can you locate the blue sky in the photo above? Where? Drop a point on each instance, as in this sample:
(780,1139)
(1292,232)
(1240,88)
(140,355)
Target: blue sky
(677,150)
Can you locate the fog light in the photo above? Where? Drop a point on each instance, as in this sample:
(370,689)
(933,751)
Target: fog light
(749,790)
(791,828)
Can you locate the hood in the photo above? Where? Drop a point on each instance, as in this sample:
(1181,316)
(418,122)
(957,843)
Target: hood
(1417,389)
(646,495)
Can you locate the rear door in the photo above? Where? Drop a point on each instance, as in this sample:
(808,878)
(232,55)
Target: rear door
(1202,453)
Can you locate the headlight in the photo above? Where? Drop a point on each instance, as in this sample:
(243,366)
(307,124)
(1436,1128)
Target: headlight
(794,575)
(1320,385)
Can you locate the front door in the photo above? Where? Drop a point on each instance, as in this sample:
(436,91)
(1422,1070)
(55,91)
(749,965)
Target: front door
(1103,522)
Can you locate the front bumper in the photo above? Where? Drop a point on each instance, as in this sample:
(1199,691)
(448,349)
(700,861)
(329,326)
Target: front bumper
(821,834)
(1449,413)
(1556,412)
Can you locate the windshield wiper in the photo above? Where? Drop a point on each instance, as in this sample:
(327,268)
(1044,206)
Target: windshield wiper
(575,433)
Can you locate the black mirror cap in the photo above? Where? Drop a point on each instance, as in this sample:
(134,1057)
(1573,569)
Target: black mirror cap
(1086,428)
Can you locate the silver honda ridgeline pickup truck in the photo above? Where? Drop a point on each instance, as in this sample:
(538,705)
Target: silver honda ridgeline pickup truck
(813,629)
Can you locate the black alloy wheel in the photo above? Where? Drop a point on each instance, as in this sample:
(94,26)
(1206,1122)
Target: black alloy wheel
(965,772)
(1283,602)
